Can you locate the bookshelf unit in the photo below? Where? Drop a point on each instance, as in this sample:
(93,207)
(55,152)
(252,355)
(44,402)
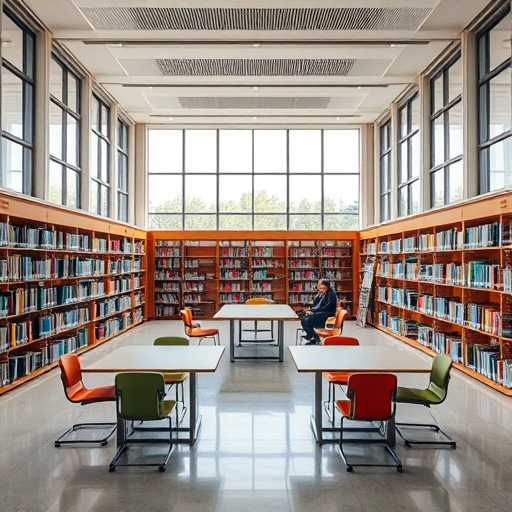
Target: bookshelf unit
(227,267)
(68,281)
(443,285)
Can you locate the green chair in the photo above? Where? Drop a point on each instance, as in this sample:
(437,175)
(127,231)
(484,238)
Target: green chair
(140,397)
(175,379)
(434,394)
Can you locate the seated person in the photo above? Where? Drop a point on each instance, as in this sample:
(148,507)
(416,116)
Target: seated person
(324,306)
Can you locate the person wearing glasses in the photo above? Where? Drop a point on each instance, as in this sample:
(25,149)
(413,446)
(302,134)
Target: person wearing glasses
(324,306)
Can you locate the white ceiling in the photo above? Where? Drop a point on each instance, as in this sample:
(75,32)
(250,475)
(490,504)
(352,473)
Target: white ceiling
(247,63)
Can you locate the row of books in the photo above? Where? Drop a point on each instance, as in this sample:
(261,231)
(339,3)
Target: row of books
(305,275)
(54,323)
(162,263)
(234,274)
(167,298)
(113,325)
(123,266)
(265,263)
(172,286)
(337,275)
(301,264)
(106,307)
(166,310)
(234,287)
(167,275)
(234,252)
(139,297)
(301,298)
(303,287)
(193,286)
(167,251)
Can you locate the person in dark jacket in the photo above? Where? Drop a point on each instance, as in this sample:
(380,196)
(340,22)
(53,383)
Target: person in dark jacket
(324,306)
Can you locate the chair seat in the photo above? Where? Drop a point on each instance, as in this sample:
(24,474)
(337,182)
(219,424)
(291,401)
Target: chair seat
(79,393)
(174,378)
(337,377)
(324,333)
(200,332)
(344,407)
(417,396)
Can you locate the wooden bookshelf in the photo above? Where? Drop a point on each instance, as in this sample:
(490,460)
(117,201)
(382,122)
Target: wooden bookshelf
(443,284)
(68,281)
(227,267)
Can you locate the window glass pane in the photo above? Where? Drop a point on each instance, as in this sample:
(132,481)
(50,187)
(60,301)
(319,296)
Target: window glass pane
(270,194)
(305,194)
(201,222)
(200,194)
(122,175)
(122,207)
(12,104)
(305,151)
(385,207)
(414,146)
(166,193)
(72,149)
(415,114)
(235,193)
(341,194)
(438,188)
(500,103)
(270,151)
(402,115)
(402,201)
(269,222)
(56,80)
(305,222)
(73,94)
(455,140)
(384,174)
(335,222)
(55,182)
(95,113)
(12,165)
(165,151)
(438,140)
(437,88)
(235,222)
(341,151)
(12,38)
(72,188)
(165,221)
(499,36)
(94,196)
(501,164)
(200,151)
(105,120)
(104,211)
(103,161)
(93,159)
(235,151)
(403,162)
(414,189)
(455,179)
(455,80)
(55,131)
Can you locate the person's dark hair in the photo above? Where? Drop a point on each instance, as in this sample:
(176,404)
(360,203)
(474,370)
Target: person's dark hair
(325,282)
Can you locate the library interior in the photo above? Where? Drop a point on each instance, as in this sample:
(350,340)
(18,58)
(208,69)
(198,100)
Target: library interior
(181,185)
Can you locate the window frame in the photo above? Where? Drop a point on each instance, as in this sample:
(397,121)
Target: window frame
(123,134)
(385,154)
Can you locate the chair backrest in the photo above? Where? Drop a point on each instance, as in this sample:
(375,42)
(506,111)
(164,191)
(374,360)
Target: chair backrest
(186,316)
(340,340)
(171,340)
(372,396)
(259,300)
(140,395)
(338,321)
(71,375)
(440,376)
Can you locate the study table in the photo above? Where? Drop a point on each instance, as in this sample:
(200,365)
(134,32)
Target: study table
(272,312)
(163,359)
(351,359)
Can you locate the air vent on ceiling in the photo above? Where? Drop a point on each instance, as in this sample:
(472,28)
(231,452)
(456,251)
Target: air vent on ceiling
(240,67)
(253,102)
(191,18)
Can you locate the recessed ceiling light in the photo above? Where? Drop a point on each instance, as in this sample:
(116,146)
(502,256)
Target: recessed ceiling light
(255,88)
(359,87)
(338,118)
(6,43)
(254,118)
(170,119)
(392,45)
(256,45)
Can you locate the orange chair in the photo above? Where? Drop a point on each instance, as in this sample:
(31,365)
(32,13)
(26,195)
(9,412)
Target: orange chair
(193,329)
(336,378)
(337,328)
(253,301)
(76,392)
(370,397)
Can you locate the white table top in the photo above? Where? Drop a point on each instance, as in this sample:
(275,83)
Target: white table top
(256,312)
(375,358)
(180,358)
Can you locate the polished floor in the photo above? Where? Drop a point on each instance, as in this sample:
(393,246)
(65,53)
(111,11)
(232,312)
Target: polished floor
(255,450)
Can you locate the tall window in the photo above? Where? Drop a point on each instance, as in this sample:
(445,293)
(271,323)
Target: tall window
(495,104)
(100,157)
(65,172)
(446,179)
(122,170)
(253,179)
(409,158)
(18,55)
(385,171)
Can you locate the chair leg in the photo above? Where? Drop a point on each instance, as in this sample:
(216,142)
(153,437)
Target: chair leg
(103,442)
(408,442)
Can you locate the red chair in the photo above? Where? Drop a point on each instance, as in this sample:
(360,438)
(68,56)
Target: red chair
(193,329)
(336,378)
(76,392)
(370,397)
(336,329)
